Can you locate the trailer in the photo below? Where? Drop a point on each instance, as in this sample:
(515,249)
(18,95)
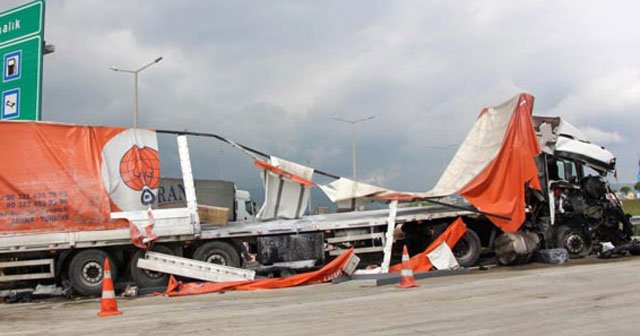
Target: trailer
(88,195)
(35,246)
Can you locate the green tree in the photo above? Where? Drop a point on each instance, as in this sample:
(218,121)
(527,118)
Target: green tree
(637,186)
(625,189)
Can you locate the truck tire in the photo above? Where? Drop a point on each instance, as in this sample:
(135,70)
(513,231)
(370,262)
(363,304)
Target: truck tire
(218,252)
(575,241)
(145,278)
(86,270)
(467,250)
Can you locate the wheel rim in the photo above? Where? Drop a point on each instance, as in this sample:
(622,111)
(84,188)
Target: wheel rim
(92,272)
(574,243)
(217,258)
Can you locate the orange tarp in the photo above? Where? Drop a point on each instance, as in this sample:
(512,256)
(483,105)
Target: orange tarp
(500,188)
(51,179)
(420,262)
(327,273)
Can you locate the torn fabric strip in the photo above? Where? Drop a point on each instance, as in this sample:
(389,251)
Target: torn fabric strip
(350,194)
(287,187)
(442,257)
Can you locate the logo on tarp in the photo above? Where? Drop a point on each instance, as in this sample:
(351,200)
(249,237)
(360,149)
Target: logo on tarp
(140,171)
(131,169)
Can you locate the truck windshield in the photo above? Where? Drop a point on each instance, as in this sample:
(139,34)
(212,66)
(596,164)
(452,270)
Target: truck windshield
(249,206)
(567,170)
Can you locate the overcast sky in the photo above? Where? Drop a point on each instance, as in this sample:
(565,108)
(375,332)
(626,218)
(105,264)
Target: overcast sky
(272,74)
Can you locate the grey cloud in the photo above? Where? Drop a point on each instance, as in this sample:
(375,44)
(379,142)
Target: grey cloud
(273,74)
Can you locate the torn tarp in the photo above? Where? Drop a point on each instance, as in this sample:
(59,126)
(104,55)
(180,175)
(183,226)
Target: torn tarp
(422,261)
(500,187)
(349,193)
(490,169)
(478,150)
(287,186)
(327,273)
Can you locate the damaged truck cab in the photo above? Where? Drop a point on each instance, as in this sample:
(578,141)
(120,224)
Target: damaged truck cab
(576,209)
(581,209)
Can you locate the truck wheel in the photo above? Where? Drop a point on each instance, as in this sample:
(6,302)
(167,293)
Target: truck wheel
(86,270)
(575,241)
(467,250)
(218,252)
(145,278)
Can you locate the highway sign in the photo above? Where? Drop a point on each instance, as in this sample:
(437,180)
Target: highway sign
(21,49)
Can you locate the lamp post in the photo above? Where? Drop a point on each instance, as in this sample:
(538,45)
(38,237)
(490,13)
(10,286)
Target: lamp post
(353,140)
(135,89)
(310,191)
(220,163)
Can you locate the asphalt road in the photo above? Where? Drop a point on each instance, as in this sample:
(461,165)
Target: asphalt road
(578,299)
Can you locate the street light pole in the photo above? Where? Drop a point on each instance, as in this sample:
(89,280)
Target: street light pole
(310,191)
(135,86)
(353,140)
(353,150)
(135,99)
(220,164)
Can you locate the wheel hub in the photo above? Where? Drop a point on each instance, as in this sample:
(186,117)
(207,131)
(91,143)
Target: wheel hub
(217,259)
(92,272)
(574,243)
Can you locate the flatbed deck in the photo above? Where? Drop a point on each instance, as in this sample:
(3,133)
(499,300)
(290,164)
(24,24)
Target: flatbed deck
(174,225)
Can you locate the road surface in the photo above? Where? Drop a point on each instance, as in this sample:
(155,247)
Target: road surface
(578,299)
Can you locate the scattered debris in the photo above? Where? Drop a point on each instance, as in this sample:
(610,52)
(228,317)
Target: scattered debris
(130,291)
(553,256)
(608,250)
(50,290)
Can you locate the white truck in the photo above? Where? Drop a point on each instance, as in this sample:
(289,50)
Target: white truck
(171,194)
(74,195)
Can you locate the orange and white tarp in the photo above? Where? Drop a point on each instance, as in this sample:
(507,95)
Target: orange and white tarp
(500,187)
(422,262)
(327,273)
(57,177)
(287,188)
(490,169)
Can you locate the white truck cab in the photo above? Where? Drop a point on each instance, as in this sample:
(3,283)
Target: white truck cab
(245,207)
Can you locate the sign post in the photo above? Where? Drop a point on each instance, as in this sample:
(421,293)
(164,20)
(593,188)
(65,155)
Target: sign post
(21,50)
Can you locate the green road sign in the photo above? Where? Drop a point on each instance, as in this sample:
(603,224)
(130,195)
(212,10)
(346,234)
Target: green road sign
(21,49)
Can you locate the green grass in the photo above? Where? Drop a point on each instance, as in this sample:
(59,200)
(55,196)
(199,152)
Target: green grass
(631,207)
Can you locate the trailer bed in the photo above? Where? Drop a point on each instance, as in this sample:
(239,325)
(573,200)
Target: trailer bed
(335,221)
(175,225)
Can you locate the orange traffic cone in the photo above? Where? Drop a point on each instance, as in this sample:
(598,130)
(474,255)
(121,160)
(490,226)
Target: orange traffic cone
(108,305)
(406,274)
